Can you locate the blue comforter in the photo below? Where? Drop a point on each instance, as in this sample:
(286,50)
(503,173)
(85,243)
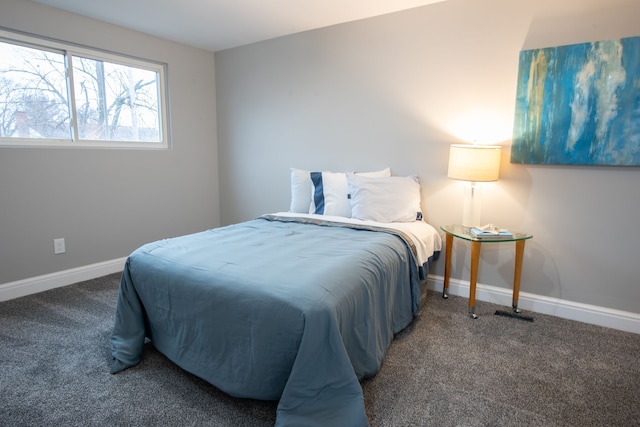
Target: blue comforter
(273,310)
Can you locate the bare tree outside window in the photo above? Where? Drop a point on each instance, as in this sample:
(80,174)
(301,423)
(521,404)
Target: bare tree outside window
(109,101)
(115,102)
(33,94)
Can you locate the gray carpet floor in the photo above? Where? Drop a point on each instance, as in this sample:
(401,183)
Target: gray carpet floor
(445,369)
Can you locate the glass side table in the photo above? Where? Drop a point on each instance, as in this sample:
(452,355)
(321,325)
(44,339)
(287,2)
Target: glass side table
(462,232)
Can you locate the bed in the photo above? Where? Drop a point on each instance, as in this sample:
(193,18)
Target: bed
(294,307)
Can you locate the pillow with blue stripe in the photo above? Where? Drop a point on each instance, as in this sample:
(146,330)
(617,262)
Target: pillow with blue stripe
(330,194)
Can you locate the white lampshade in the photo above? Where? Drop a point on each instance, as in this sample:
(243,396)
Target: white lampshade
(475,163)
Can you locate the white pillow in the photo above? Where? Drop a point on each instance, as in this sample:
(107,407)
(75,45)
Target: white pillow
(300,191)
(330,192)
(391,199)
(376,174)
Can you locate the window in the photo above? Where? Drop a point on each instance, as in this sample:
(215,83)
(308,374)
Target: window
(53,94)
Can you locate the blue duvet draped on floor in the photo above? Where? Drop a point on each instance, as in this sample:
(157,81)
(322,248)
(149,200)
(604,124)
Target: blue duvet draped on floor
(273,310)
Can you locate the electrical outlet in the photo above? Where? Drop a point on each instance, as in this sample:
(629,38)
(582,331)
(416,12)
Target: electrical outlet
(58,246)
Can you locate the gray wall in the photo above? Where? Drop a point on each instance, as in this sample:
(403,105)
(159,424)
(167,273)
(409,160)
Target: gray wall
(105,203)
(396,91)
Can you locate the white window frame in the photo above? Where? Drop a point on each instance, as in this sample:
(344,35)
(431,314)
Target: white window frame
(70,50)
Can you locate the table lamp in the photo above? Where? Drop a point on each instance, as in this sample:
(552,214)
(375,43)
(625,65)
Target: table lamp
(473,163)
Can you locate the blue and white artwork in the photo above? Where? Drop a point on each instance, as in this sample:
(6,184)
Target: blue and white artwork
(579,105)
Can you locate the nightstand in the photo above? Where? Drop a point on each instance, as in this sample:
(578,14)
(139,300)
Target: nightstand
(462,232)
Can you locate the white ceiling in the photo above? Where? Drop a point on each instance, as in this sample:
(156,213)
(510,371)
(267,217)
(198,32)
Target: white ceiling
(221,24)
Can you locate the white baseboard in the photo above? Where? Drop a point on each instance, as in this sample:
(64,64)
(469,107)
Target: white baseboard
(586,313)
(37,284)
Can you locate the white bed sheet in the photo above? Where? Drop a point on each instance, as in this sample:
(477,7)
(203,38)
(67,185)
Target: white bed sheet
(425,237)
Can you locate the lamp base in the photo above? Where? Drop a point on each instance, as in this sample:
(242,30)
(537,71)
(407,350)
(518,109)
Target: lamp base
(472,204)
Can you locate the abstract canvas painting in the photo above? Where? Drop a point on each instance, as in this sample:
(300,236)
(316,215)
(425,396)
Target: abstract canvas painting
(579,104)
